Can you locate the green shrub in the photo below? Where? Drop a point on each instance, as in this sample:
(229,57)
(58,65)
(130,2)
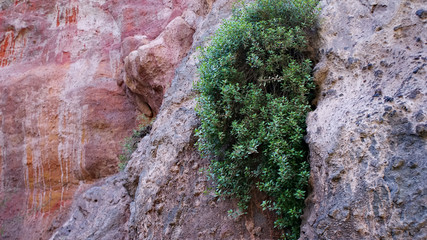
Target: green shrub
(130,144)
(254,86)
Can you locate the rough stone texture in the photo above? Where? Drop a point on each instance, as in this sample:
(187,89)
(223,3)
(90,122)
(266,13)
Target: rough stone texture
(167,189)
(171,201)
(101,212)
(150,69)
(64,110)
(151,59)
(367,136)
(63,107)
(62,115)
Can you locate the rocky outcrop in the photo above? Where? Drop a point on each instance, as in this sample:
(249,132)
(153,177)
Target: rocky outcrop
(170,197)
(150,64)
(150,68)
(367,136)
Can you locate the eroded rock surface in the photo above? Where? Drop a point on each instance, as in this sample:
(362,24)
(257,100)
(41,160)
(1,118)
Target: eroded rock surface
(367,138)
(62,115)
(168,190)
(150,68)
(172,200)
(64,109)
(101,212)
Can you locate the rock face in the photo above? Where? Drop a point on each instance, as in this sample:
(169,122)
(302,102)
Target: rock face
(367,136)
(171,199)
(63,107)
(62,115)
(167,189)
(101,212)
(75,73)
(150,68)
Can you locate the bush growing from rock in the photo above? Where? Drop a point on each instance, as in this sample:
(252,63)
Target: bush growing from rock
(254,86)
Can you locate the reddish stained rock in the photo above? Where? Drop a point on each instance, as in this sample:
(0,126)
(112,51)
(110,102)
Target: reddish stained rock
(130,44)
(150,69)
(161,194)
(67,15)
(11,48)
(48,136)
(7,48)
(63,111)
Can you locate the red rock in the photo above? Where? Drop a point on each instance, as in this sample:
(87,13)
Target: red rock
(63,108)
(130,44)
(52,138)
(150,69)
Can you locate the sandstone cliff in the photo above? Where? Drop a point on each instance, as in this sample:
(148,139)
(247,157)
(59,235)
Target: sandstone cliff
(64,109)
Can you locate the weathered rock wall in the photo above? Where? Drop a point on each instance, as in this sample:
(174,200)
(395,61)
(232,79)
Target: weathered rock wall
(167,197)
(367,136)
(57,131)
(64,109)
(172,200)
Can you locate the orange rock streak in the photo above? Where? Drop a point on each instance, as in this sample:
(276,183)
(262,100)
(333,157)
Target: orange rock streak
(18,1)
(7,48)
(11,47)
(71,15)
